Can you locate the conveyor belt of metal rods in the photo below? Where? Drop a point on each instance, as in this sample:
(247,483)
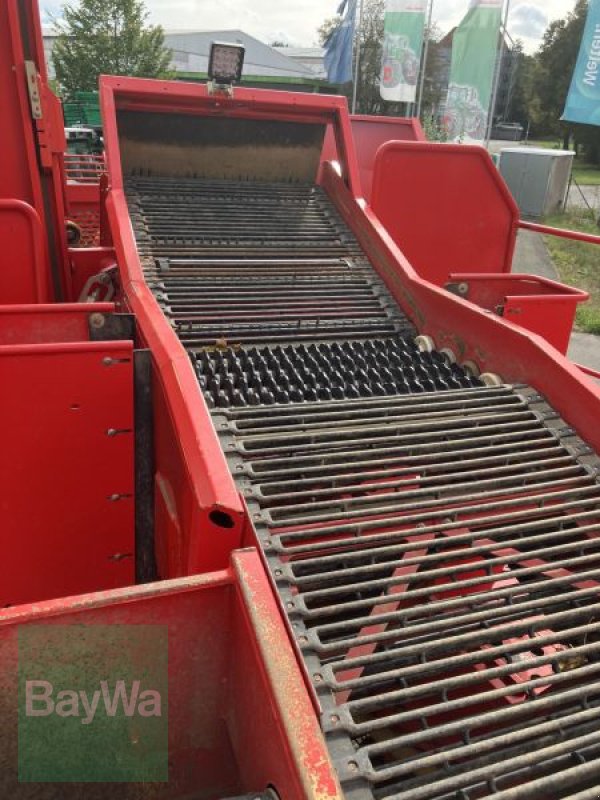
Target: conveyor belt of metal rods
(434,542)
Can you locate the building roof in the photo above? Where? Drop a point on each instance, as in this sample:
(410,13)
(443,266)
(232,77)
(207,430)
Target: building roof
(301,52)
(191,51)
(311,57)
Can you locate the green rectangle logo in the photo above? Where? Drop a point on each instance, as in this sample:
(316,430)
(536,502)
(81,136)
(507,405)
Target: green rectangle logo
(93,703)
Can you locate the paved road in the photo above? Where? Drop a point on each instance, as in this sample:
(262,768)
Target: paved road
(583,197)
(532,257)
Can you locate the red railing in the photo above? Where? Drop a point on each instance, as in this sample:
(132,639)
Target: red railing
(562,233)
(85,167)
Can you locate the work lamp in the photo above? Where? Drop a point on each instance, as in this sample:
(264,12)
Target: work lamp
(226,63)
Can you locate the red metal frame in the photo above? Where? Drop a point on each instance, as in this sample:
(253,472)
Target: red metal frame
(538,304)
(446,206)
(240,718)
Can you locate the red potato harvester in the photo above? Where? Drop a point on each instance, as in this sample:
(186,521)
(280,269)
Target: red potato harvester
(366,508)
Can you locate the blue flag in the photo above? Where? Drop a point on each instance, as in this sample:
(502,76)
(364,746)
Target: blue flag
(583,102)
(338,47)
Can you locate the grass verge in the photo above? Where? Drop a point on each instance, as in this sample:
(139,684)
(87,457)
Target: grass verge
(578,264)
(586,174)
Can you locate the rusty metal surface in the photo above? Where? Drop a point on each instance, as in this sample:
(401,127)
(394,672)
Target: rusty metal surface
(186,145)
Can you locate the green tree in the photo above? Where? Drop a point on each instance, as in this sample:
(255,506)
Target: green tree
(521,86)
(106,37)
(551,73)
(434,89)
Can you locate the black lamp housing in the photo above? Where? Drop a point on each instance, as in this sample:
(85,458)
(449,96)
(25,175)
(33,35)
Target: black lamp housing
(226,62)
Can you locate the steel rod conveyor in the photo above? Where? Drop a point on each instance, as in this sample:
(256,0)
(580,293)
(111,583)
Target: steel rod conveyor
(434,540)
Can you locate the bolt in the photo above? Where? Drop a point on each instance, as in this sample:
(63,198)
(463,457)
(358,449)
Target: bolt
(303,639)
(107,361)
(289,604)
(111,432)
(334,719)
(353,766)
(97,320)
(318,678)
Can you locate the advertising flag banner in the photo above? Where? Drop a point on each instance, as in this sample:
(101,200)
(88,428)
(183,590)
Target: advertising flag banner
(474,54)
(583,101)
(402,45)
(338,47)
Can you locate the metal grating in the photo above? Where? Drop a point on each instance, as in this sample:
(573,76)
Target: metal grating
(439,561)
(434,543)
(179,215)
(252,263)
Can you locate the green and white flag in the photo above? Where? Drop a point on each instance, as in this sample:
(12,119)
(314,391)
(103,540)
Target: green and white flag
(402,44)
(474,54)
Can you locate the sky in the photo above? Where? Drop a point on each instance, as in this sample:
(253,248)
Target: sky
(296,21)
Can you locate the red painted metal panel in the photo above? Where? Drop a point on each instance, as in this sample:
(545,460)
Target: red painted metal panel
(66,517)
(55,322)
(540,305)
(446,206)
(471,333)
(369,133)
(240,718)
